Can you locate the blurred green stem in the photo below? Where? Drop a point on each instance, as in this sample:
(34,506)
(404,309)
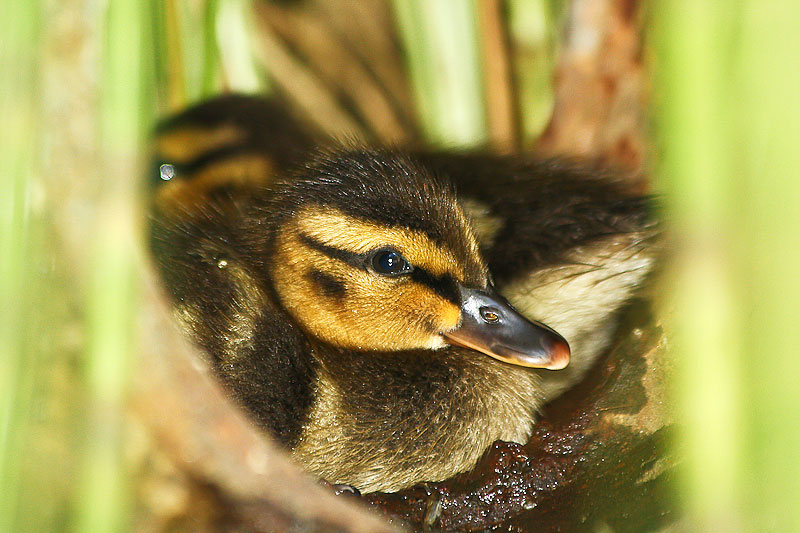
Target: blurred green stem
(441,40)
(103,496)
(234,32)
(20,28)
(533,41)
(728,115)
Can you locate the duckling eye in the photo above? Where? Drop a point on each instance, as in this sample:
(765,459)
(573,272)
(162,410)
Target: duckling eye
(389,263)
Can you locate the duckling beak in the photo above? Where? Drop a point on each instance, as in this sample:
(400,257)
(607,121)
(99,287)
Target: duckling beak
(490,325)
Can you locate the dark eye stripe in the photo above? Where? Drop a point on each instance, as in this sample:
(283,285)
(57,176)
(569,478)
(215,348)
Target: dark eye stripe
(351,258)
(445,286)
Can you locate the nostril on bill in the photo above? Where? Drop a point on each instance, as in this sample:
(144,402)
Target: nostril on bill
(489,315)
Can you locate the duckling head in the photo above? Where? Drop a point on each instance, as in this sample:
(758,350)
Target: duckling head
(371,252)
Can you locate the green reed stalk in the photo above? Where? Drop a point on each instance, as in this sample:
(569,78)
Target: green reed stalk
(103,499)
(728,114)
(20,29)
(441,43)
(532,32)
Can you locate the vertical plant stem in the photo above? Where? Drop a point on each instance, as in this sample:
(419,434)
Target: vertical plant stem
(20,35)
(211,68)
(532,34)
(696,171)
(159,55)
(501,108)
(176,76)
(103,498)
(441,42)
(195,26)
(767,113)
(19,92)
(728,116)
(234,31)
(104,491)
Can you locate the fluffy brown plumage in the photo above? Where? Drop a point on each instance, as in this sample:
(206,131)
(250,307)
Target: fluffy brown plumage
(279,272)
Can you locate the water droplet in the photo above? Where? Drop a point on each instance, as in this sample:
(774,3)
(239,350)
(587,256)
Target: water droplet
(167,172)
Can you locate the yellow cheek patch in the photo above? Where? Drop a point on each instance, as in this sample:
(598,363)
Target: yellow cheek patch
(337,230)
(422,303)
(371,313)
(187,143)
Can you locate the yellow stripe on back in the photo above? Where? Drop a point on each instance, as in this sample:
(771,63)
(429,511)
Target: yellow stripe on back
(179,196)
(184,144)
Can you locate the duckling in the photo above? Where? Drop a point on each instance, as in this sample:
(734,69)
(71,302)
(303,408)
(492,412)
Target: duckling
(354,300)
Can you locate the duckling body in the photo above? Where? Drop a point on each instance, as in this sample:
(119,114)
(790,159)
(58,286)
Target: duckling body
(329,290)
